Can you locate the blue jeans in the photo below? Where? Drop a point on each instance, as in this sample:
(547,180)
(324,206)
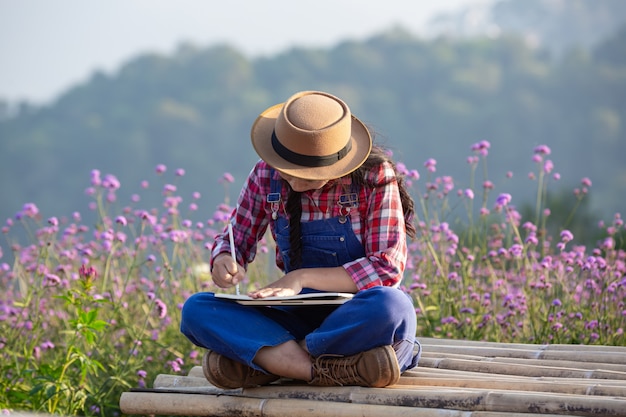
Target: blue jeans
(375,317)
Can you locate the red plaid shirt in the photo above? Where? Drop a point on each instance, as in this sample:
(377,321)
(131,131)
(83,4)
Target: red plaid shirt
(378,222)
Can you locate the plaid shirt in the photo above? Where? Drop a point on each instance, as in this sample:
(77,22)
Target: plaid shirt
(378,222)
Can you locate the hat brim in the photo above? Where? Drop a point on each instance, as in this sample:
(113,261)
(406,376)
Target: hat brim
(261,135)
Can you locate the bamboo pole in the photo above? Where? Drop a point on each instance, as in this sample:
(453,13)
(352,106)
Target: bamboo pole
(507,352)
(519,369)
(576,387)
(455,377)
(346,401)
(538,362)
(147,403)
(428,341)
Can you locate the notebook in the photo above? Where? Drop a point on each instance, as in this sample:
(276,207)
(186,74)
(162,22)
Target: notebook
(316,298)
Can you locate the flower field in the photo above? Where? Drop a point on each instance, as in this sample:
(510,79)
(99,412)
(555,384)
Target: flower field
(88,311)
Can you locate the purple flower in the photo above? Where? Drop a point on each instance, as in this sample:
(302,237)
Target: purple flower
(608,243)
(51,280)
(29,210)
(53,221)
(503,199)
(430,165)
(180,172)
(542,149)
(121,220)
(548,166)
(160,169)
(161,308)
(47,345)
(168,189)
(532,239)
(453,276)
(586,182)
(86,272)
(95,178)
(227,178)
(111,182)
(472,160)
(566,236)
(481,147)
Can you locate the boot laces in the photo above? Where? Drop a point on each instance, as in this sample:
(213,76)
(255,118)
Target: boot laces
(336,369)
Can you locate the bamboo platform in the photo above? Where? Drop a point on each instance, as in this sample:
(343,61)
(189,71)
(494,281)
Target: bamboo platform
(454,379)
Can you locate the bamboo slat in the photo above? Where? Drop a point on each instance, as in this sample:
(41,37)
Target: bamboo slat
(519,369)
(568,355)
(584,388)
(144,403)
(428,341)
(454,379)
(561,363)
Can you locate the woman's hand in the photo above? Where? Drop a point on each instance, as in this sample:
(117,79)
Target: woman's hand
(226,272)
(322,279)
(284,287)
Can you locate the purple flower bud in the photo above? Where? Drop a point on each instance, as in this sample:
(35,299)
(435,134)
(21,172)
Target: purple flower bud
(160,169)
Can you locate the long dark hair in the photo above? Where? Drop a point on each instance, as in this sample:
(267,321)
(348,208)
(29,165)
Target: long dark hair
(377,157)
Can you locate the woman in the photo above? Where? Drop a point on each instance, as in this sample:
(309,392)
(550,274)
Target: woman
(339,214)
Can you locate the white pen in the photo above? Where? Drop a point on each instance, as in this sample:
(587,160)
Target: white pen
(232,249)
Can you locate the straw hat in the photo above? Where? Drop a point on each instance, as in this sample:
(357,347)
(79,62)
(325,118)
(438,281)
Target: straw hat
(311,136)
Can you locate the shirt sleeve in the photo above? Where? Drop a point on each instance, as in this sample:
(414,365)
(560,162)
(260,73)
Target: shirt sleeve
(249,218)
(384,235)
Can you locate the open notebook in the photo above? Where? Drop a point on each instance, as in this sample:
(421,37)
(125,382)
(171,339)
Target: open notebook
(317,298)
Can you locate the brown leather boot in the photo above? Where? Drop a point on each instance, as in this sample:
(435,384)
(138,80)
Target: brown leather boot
(226,373)
(377,367)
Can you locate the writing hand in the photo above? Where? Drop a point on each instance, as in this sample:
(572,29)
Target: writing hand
(226,272)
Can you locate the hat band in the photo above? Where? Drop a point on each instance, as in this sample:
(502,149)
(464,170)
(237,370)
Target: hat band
(308,160)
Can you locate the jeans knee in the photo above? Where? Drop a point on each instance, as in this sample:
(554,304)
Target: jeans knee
(191,311)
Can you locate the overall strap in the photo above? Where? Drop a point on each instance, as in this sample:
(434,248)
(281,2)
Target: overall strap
(273,198)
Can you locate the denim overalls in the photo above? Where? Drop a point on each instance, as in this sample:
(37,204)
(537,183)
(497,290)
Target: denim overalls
(374,317)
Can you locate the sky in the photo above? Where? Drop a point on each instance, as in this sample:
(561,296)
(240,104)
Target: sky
(47,46)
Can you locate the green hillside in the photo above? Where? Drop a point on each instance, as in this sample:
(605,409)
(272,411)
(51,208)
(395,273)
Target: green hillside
(424,98)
